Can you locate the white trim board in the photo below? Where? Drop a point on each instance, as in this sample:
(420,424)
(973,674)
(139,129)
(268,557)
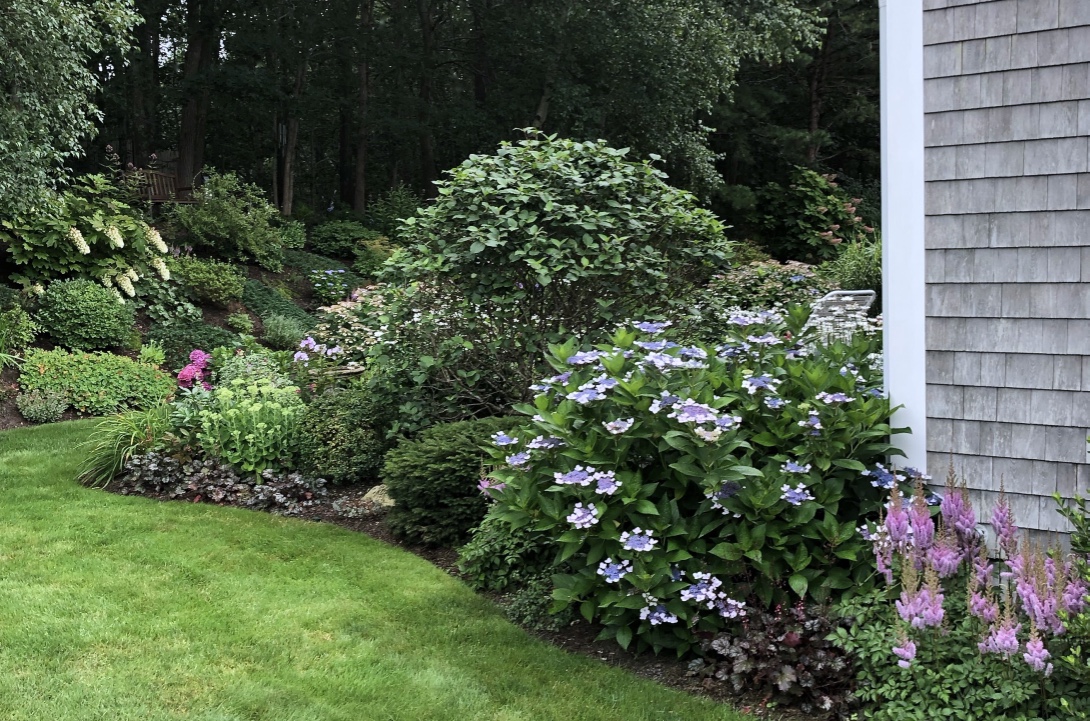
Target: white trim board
(903,289)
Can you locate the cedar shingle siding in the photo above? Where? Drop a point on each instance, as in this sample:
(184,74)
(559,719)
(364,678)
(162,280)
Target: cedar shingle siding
(1007,97)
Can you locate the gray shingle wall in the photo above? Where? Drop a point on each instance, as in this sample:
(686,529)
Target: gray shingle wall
(1007,97)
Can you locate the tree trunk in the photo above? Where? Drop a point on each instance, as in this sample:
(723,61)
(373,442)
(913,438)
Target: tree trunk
(359,193)
(274,193)
(818,75)
(291,144)
(363,100)
(482,67)
(427,68)
(542,113)
(200,54)
(345,161)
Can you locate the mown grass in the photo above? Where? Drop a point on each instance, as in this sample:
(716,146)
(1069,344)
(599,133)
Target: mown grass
(124,609)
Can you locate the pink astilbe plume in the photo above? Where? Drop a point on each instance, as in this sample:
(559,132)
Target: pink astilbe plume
(945,556)
(957,511)
(1003,525)
(897,523)
(919,517)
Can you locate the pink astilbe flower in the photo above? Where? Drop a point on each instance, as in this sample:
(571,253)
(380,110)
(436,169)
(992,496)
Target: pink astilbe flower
(957,511)
(919,517)
(945,556)
(1074,594)
(1001,639)
(897,518)
(906,652)
(1003,524)
(920,607)
(1036,588)
(1037,655)
(983,607)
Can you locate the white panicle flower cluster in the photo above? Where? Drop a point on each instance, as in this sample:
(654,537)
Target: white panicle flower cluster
(155,239)
(161,268)
(132,275)
(107,281)
(125,284)
(120,298)
(38,289)
(115,237)
(77,240)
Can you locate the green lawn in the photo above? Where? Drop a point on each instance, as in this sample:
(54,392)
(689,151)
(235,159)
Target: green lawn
(124,609)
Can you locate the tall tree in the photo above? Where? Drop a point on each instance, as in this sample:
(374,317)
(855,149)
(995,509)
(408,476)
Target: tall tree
(202,46)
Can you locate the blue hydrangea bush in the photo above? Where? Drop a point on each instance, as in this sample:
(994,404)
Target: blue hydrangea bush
(682,483)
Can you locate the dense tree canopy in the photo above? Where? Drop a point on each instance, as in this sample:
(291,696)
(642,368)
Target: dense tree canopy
(51,61)
(331,102)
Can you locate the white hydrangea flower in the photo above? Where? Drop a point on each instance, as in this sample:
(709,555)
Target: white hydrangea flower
(155,239)
(132,275)
(114,234)
(161,268)
(77,240)
(125,284)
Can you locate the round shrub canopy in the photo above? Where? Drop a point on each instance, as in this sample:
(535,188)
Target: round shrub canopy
(572,233)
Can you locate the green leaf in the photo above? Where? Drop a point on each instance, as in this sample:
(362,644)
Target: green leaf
(798,584)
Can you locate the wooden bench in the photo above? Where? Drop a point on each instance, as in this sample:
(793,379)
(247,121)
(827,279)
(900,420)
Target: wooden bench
(159,187)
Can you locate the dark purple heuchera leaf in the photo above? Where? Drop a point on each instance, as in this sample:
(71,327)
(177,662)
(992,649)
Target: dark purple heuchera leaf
(207,480)
(784,656)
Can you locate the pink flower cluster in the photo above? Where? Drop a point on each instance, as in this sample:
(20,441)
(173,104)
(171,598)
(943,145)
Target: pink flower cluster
(1038,588)
(196,371)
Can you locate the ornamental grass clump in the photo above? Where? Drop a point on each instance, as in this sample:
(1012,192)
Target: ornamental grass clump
(683,484)
(953,625)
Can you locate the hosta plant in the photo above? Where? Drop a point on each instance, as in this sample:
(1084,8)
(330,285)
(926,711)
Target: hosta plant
(683,482)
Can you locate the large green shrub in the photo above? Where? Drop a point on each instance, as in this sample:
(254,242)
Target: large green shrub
(499,557)
(386,212)
(253,424)
(95,383)
(434,481)
(233,219)
(341,238)
(809,218)
(650,463)
(17,330)
(544,238)
(210,281)
(343,437)
(858,267)
(90,233)
(84,315)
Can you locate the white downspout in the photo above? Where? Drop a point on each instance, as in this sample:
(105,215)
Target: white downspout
(903,289)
